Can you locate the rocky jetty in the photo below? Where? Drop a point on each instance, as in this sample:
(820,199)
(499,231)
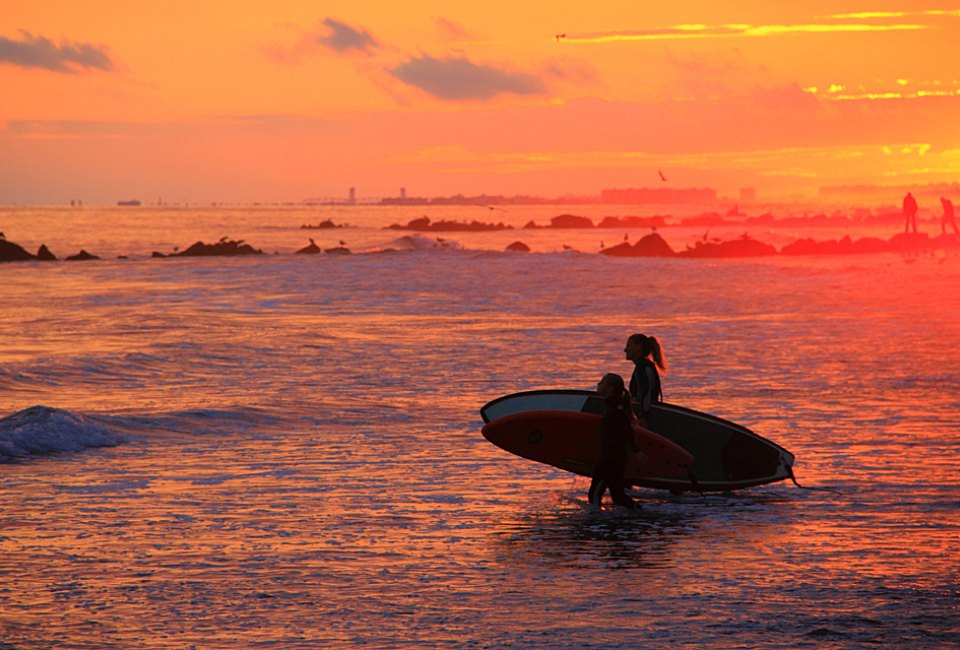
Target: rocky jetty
(323,225)
(845,246)
(655,221)
(901,243)
(312,249)
(423,224)
(82,256)
(224,247)
(518,247)
(44,254)
(568,221)
(10,252)
(652,245)
(744,246)
(563,221)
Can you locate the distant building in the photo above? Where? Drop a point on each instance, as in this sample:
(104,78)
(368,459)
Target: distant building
(748,194)
(352,196)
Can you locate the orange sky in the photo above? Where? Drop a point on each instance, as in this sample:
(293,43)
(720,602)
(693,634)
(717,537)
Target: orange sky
(240,100)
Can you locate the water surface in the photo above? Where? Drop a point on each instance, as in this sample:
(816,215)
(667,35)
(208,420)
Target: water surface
(302,464)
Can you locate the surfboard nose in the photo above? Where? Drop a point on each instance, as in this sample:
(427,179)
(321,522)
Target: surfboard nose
(504,434)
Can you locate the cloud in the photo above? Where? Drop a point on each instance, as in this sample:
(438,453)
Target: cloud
(222,126)
(39,52)
(574,71)
(343,38)
(458,78)
(330,34)
(715,74)
(452,30)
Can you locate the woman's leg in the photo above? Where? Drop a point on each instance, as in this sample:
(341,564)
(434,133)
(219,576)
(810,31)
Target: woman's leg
(597,486)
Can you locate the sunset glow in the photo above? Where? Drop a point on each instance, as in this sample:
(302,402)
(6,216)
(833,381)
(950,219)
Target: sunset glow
(246,101)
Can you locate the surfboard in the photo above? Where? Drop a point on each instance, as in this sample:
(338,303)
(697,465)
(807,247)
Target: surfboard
(726,455)
(571,441)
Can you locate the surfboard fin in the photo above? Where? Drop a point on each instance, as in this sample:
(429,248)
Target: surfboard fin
(805,487)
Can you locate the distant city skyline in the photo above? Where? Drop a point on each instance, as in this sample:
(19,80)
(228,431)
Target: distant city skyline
(865,195)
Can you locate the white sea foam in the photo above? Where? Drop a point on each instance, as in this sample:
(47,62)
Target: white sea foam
(45,430)
(417,242)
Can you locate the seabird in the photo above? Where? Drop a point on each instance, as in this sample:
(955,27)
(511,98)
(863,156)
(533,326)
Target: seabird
(489,207)
(662,177)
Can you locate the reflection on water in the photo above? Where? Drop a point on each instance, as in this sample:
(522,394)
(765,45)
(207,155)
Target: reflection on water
(577,535)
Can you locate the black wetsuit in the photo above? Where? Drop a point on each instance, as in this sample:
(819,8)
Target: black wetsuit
(645,386)
(617,443)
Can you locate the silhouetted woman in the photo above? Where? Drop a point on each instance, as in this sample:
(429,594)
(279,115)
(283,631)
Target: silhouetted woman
(618,443)
(647,355)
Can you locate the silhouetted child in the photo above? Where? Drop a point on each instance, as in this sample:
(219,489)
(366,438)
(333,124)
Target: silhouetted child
(618,443)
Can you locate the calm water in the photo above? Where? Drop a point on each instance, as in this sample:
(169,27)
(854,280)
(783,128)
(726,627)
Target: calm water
(301,463)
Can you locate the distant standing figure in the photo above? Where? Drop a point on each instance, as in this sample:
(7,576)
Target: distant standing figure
(909,213)
(948,218)
(617,443)
(647,355)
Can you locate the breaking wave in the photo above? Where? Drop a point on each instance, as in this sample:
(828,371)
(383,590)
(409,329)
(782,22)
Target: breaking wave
(42,430)
(422,243)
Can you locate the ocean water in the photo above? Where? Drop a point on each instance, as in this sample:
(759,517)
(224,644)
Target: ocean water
(284,451)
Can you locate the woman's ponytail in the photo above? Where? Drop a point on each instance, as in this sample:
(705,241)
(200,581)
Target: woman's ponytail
(656,351)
